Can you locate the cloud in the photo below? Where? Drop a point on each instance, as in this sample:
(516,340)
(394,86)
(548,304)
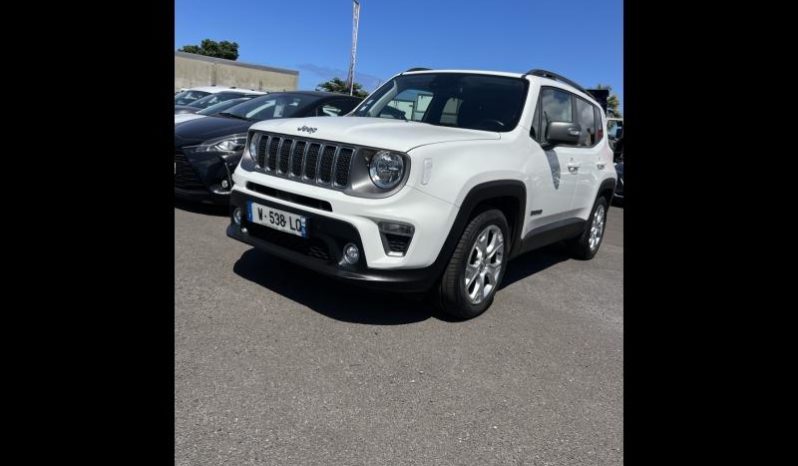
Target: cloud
(369,82)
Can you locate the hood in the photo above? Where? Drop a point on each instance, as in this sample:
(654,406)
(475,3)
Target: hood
(187,117)
(180,109)
(380,133)
(211,127)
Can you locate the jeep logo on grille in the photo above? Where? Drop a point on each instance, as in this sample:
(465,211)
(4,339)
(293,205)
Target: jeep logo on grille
(307,129)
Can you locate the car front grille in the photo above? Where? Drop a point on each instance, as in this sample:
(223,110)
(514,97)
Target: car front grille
(397,243)
(312,247)
(185,175)
(309,161)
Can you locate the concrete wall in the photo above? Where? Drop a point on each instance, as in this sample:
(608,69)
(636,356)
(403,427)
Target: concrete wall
(197,70)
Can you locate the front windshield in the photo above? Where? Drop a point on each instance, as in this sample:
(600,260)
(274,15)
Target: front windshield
(459,100)
(186,97)
(271,106)
(222,106)
(214,99)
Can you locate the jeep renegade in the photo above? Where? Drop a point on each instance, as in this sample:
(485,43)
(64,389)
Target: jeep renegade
(432,183)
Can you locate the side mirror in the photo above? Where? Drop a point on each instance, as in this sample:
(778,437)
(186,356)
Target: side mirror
(562,132)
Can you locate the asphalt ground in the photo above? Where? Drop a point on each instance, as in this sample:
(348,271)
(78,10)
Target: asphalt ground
(278,365)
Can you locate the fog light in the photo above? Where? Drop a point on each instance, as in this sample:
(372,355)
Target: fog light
(237,215)
(397,228)
(351,253)
(225,184)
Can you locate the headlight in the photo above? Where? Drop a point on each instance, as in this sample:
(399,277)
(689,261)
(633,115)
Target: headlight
(386,169)
(234,143)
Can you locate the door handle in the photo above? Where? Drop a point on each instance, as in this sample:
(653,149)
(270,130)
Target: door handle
(600,165)
(573,167)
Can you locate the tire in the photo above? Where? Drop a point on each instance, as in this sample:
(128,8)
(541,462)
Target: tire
(455,297)
(580,247)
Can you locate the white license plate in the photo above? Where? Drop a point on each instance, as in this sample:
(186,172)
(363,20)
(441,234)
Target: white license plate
(278,219)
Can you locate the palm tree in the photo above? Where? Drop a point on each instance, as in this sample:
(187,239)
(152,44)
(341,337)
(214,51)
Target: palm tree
(612,102)
(339,86)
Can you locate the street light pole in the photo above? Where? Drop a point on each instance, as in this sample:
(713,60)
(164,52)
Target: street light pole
(353,56)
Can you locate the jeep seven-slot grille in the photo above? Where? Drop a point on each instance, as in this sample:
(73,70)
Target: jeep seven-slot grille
(319,163)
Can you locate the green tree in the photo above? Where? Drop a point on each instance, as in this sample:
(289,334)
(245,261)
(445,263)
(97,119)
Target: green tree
(339,85)
(613,102)
(211,48)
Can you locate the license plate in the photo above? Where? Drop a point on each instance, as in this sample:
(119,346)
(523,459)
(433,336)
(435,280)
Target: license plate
(278,219)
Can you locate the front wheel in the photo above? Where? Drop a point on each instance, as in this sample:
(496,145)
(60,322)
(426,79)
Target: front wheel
(476,267)
(586,245)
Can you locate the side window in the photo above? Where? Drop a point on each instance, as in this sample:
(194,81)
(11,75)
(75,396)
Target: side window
(599,124)
(587,121)
(346,105)
(328,109)
(555,105)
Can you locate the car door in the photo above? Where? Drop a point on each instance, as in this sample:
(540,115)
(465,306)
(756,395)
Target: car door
(588,156)
(550,200)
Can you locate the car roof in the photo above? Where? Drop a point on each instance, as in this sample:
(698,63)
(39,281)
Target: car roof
(321,94)
(217,89)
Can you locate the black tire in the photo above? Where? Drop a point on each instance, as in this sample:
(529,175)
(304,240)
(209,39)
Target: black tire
(453,298)
(579,247)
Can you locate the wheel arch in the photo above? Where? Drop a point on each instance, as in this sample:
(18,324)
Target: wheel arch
(509,196)
(606,189)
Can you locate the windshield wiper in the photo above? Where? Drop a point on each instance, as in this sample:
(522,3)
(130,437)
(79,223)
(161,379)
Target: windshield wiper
(231,115)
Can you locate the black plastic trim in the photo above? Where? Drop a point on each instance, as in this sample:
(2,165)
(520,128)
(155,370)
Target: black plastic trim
(608,184)
(290,197)
(552,233)
(481,193)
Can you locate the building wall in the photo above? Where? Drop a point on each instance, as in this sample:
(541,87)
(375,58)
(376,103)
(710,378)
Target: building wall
(196,70)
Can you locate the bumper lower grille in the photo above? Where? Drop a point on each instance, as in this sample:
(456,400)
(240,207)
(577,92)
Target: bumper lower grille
(185,175)
(319,163)
(397,243)
(310,247)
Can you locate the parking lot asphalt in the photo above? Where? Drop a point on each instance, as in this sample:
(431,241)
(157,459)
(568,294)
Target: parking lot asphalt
(277,365)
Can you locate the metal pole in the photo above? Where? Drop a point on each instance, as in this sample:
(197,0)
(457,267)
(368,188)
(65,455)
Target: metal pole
(353,57)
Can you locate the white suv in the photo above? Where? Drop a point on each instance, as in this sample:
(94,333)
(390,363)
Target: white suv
(432,183)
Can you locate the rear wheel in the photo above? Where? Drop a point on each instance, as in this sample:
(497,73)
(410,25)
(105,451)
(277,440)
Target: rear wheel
(586,245)
(476,267)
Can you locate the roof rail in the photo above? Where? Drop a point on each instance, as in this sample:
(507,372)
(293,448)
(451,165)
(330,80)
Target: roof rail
(417,69)
(556,77)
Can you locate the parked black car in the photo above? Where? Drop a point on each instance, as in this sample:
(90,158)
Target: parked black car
(222,106)
(207,150)
(618,155)
(212,99)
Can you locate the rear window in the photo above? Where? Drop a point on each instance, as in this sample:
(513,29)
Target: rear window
(277,105)
(186,97)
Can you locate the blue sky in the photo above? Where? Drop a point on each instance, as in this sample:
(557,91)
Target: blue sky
(580,39)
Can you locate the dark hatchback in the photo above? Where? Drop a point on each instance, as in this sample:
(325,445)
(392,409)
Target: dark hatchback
(207,150)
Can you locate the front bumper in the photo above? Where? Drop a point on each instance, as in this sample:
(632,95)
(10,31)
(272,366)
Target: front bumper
(199,176)
(322,250)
